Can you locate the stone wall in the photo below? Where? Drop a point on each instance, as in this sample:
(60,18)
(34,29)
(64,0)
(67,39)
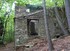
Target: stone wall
(20,31)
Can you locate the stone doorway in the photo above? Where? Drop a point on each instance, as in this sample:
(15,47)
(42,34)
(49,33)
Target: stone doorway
(32,27)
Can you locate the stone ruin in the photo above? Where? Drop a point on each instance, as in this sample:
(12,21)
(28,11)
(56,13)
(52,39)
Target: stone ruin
(31,24)
(28,25)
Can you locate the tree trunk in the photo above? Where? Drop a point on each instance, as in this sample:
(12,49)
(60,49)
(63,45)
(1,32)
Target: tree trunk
(59,21)
(46,27)
(67,8)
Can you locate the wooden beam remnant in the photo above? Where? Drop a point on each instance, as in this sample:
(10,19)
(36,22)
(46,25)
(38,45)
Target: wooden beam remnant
(30,14)
(46,27)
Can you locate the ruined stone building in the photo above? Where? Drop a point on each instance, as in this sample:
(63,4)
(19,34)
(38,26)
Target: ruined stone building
(32,24)
(28,25)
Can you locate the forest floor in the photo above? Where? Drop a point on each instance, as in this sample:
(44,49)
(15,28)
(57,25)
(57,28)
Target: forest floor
(40,44)
(7,47)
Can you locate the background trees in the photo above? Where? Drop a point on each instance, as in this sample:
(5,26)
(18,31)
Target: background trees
(67,8)
(7,15)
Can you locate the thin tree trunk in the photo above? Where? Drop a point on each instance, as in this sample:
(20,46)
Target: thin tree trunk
(59,22)
(67,8)
(46,27)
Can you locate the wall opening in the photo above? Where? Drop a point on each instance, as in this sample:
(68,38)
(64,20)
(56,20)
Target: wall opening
(32,27)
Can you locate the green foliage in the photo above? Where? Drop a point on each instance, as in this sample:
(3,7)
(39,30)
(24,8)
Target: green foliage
(9,34)
(8,21)
(21,2)
(49,3)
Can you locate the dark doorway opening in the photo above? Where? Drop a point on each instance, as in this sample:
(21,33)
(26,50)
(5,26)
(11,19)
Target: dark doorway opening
(32,27)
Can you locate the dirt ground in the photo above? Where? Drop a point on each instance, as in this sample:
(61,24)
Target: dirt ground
(37,44)
(40,44)
(7,47)
(62,44)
